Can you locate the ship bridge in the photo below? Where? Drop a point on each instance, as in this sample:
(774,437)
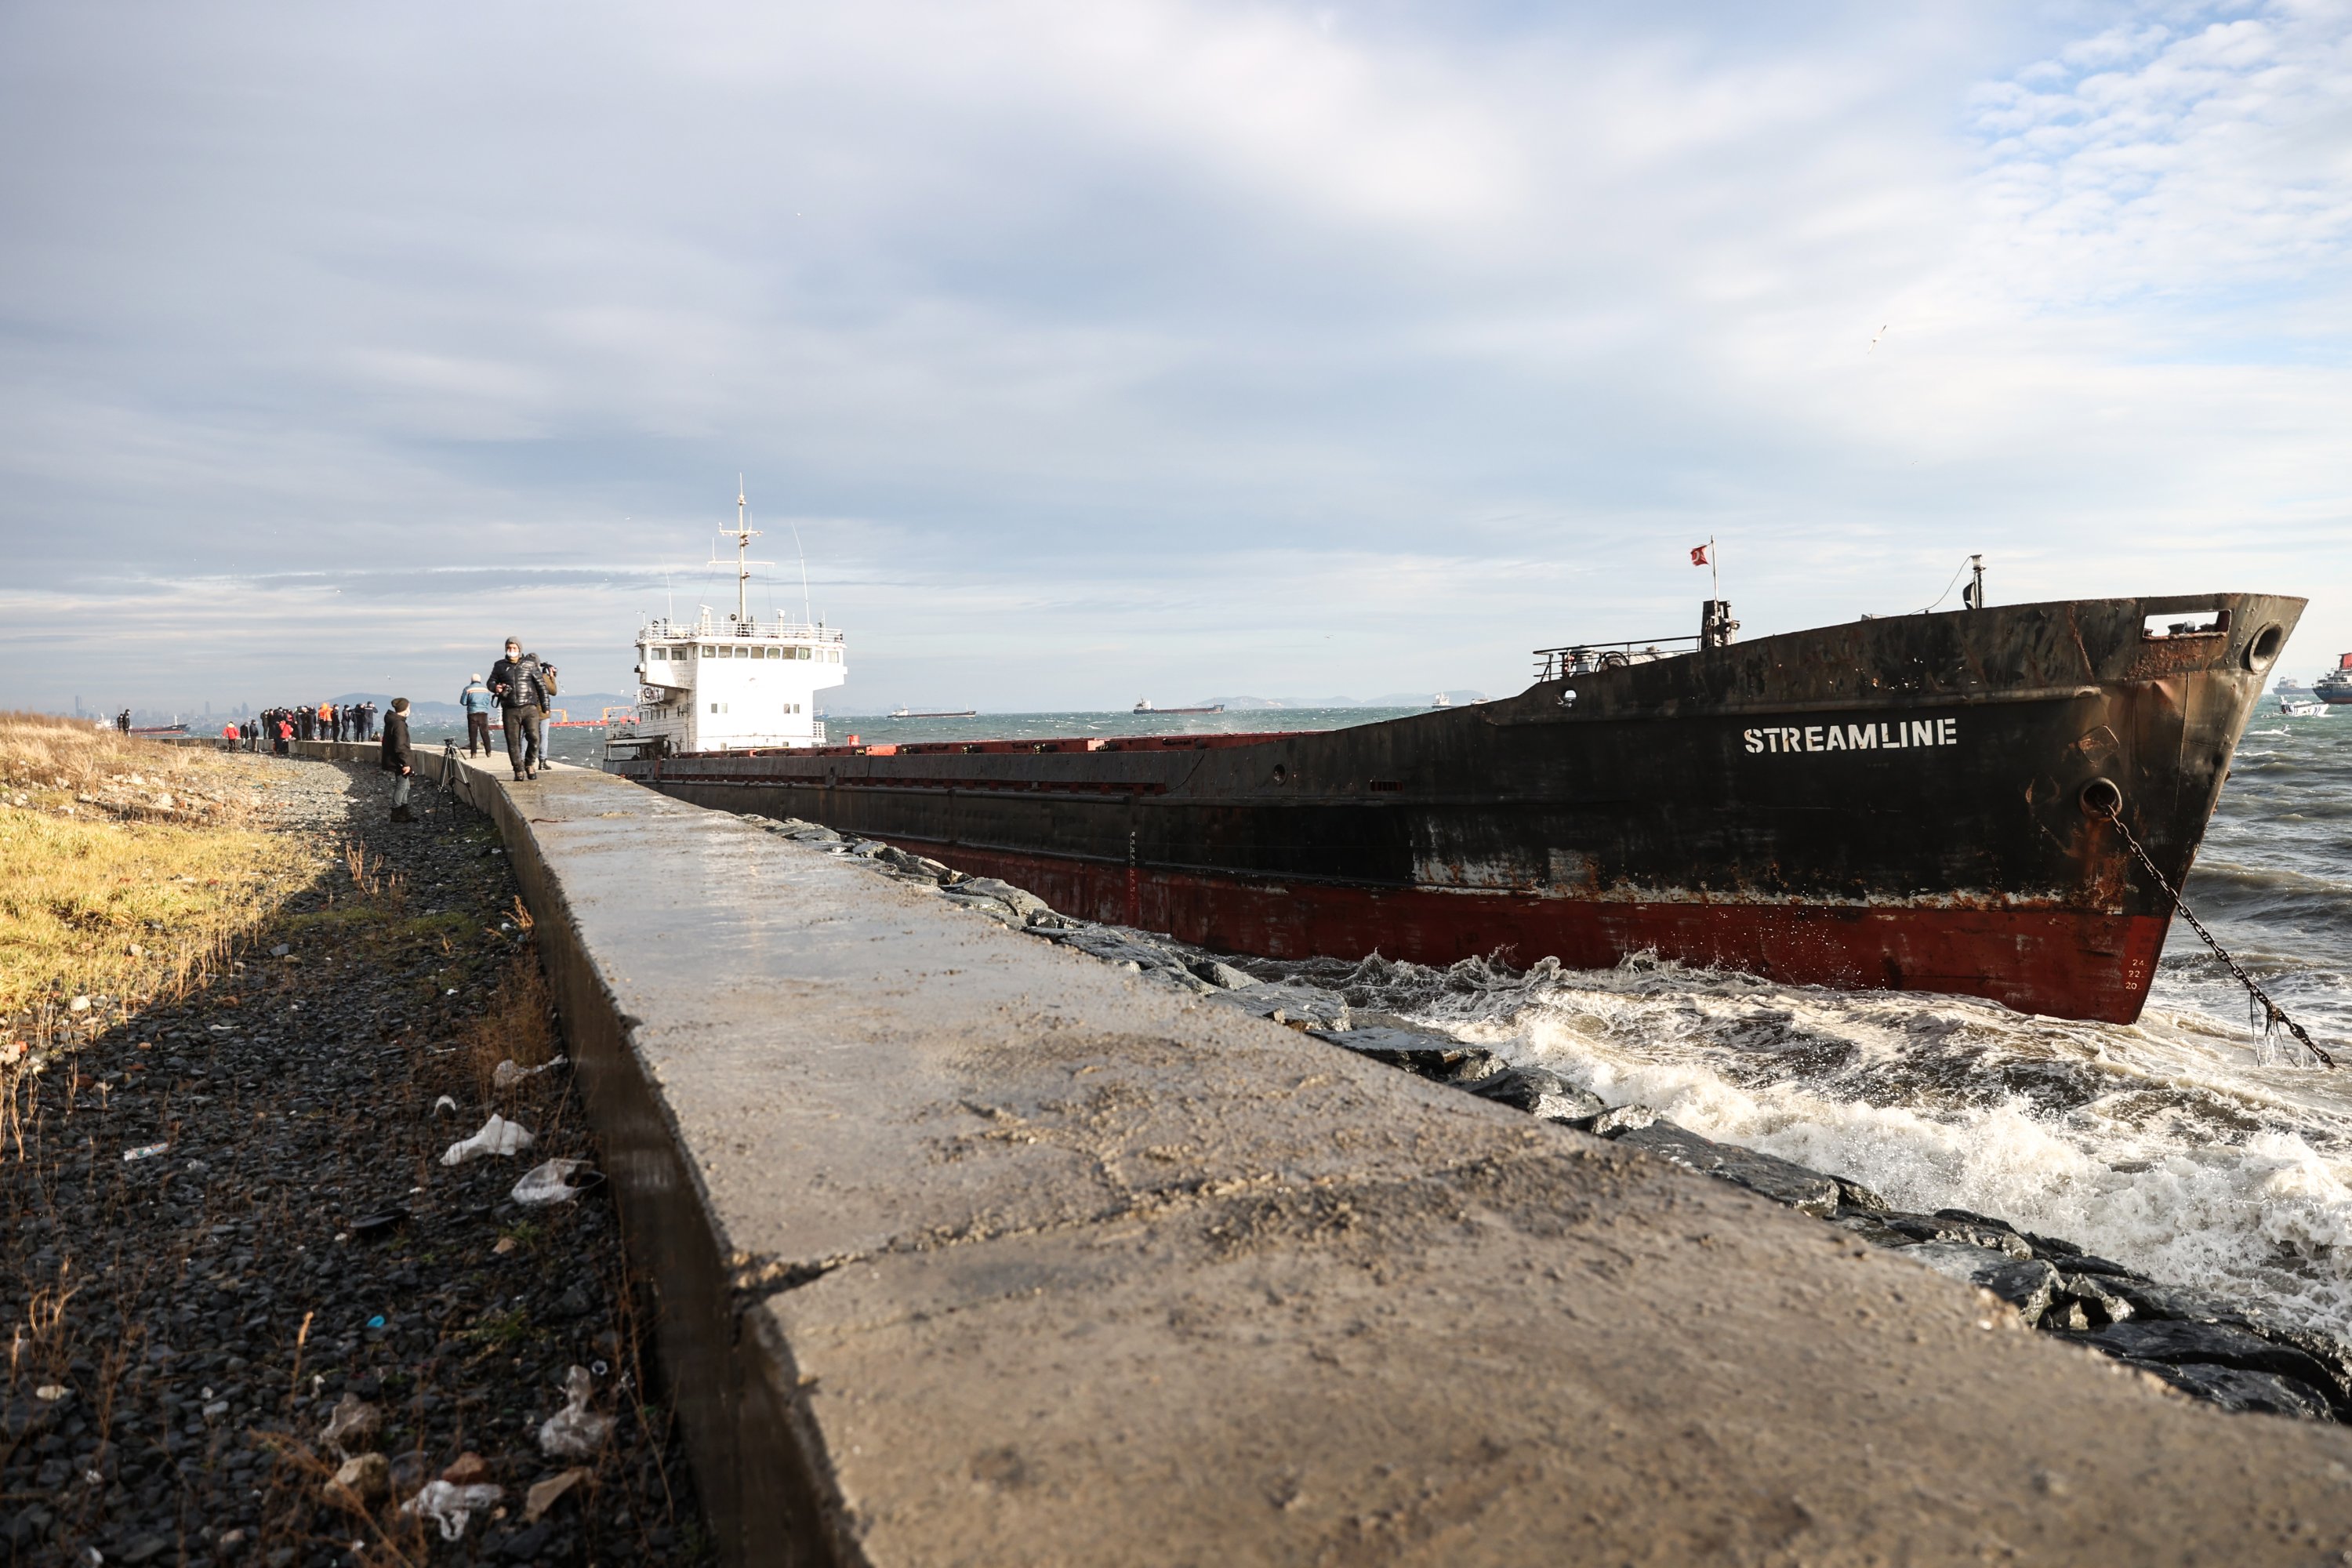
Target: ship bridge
(732,682)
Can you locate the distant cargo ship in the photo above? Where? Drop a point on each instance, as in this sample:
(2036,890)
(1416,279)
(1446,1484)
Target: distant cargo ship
(1145,707)
(1929,802)
(910,713)
(2335,686)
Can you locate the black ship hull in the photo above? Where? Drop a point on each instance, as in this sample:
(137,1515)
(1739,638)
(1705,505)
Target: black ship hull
(1917,802)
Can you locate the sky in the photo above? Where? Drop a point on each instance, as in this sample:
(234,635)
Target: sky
(1095,351)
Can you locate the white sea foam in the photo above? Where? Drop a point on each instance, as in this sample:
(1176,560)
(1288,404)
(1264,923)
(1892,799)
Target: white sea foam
(2122,1157)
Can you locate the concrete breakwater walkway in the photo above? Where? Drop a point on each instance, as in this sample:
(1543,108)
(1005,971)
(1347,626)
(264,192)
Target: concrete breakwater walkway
(978,1250)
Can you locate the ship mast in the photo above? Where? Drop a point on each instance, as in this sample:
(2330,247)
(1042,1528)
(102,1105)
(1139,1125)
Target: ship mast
(744,534)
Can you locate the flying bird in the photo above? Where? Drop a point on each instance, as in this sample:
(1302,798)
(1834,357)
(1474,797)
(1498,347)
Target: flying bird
(1873,341)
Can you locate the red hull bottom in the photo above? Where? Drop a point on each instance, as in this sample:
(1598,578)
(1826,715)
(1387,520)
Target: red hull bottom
(2064,964)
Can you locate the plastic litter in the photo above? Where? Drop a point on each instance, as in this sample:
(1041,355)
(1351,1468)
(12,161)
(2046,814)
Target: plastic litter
(498,1136)
(145,1151)
(451,1506)
(445,1103)
(377,1226)
(366,1477)
(79,1004)
(507,1074)
(352,1424)
(547,1184)
(376,1321)
(575,1432)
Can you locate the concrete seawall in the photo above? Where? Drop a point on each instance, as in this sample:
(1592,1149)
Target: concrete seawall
(976,1250)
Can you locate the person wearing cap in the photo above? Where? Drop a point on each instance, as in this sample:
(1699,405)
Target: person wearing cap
(477,701)
(398,760)
(523,701)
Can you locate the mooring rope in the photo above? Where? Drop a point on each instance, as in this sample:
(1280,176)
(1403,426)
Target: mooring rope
(2275,1013)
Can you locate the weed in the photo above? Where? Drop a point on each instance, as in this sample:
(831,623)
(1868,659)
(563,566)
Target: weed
(499,1330)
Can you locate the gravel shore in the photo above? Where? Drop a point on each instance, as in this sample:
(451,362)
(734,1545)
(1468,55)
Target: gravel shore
(226,1220)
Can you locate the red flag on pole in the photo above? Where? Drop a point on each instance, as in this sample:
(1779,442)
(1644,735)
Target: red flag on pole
(1698,555)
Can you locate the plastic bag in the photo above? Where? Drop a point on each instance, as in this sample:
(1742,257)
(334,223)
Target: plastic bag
(547,1184)
(352,1424)
(450,1506)
(498,1136)
(575,1432)
(509,1073)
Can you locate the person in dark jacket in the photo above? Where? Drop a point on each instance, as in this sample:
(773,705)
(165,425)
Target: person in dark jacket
(522,703)
(397,759)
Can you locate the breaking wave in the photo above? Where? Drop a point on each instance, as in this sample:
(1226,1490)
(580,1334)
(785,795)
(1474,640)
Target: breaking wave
(2183,1145)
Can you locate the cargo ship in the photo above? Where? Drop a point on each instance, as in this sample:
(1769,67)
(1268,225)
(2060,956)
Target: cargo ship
(2335,686)
(1931,802)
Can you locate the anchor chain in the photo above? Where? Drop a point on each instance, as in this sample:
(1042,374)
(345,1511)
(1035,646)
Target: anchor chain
(2276,1014)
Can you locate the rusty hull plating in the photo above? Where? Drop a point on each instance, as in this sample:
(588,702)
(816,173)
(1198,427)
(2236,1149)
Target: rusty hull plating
(1910,802)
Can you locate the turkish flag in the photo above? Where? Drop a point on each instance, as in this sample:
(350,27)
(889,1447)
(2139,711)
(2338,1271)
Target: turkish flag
(1698,556)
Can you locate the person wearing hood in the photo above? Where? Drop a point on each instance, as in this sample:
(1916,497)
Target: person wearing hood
(477,701)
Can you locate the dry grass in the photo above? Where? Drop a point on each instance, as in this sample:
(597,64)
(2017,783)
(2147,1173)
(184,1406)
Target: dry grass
(50,764)
(107,895)
(518,1026)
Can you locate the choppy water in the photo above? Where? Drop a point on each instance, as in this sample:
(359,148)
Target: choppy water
(2179,1146)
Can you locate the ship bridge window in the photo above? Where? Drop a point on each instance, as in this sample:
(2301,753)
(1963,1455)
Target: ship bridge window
(709,652)
(659,651)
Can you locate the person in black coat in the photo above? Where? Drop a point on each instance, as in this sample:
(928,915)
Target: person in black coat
(397,759)
(521,691)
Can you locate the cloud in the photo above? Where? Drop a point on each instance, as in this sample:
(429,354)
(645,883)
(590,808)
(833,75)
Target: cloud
(1093,346)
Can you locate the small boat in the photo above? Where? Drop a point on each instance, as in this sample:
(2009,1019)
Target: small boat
(1145,707)
(2304,709)
(1441,700)
(910,713)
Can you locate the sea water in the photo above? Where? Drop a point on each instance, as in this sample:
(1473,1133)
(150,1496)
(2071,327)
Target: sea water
(2185,1145)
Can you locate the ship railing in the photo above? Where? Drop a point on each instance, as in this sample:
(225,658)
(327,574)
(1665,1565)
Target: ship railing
(1582,658)
(709,630)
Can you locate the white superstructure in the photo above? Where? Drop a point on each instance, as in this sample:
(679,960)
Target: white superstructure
(721,683)
(724,684)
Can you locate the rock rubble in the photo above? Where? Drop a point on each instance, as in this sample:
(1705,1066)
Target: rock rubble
(265,1344)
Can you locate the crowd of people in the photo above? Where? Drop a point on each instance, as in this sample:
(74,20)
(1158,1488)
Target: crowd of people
(518,690)
(273,728)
